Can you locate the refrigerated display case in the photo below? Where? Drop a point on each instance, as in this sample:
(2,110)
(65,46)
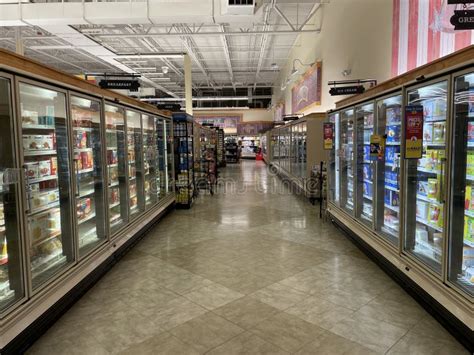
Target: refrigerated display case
(89,184)
(116,167)
(44,131)
(425,177)
(461,242)
(389,121)
(169,153)
(135,164)
(11,277)
(161,143)
(364,194)
(184,159)
(63,155)
(346,159)
(424,218)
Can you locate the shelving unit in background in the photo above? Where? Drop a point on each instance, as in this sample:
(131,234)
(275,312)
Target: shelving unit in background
(232,155)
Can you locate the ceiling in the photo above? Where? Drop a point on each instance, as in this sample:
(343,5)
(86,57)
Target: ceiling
(230,52)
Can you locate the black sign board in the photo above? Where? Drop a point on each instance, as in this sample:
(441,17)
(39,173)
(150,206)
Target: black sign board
(131,85)
(454,2)
(347,90)
(170,107)
(463,19)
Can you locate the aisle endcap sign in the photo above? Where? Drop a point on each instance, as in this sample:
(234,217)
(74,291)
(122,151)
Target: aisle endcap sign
(328,134)
(413,132)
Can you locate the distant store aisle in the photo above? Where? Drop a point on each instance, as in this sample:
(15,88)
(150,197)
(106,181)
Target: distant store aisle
(249,270)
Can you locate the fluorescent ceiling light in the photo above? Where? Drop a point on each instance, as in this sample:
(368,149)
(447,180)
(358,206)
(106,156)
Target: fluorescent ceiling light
(144,68)
(52,47)
(151,55)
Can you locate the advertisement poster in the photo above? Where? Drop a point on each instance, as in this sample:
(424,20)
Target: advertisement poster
(328,132)
(307,92)
(413,132)
(253,128)
(227,122)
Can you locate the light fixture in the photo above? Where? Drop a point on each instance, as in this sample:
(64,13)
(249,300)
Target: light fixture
(165,69)
(295,71)
(274,66)
(175,55)
(346,72)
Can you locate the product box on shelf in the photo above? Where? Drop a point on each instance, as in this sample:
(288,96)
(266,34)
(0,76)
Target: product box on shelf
(470,163)
(469,230)
(366,152)
(469,198)
(435,215)
(86,160)
(423,188)
(81,139)
(29,118)
(393,115)
(32,170)
(439,130)
(391,179)
(421,233)
(434,109)
(369,119)
(393,134)
(367,188)
(42,199)
(433,188)
(112,157)
(113,175)
(428,132)
(422,209)
(367,172)
(83,208)
(38,142)
(114,195)
(391,153)
(44,168)
(470,131)
(45,225)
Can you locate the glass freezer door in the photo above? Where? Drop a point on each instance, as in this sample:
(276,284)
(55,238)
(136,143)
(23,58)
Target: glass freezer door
(46,162)
(461,242)
(135,182)
(425,178)
(161,145)
(364,164)
(150,161)
(89,195)
(11,280)
(334,160)
(170,156)
(387,219)
(346,158)
(117,182)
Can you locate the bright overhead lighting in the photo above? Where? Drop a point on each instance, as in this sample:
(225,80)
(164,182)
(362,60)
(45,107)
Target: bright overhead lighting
(151,55)
(165,69)
(274,66)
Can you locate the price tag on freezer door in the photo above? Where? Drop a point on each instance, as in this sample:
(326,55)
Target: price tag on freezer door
(328,132)
(413,132)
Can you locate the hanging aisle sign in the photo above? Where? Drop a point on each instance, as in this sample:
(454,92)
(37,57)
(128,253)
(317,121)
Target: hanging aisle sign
(463,19)
(328,134)
(413,132)
(347,90)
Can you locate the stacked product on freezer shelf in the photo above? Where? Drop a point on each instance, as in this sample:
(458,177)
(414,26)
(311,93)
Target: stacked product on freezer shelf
(184,159)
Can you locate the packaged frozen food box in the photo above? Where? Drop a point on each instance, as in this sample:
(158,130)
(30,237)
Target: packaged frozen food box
(393,134)
(423,188)
(44,142)
(367,172)
(439,129)
(435,215)
(393,115)
(42,199)
(433,188)
(422,208)
(421,234)
(44,168)
(32,170)
(29,118)
(114,195)
(81,139)
(54,166)
(395,199)
(470,130)
(427,132)
(369,119)
(112,157)
(468,198)
(113,175)
(469,230)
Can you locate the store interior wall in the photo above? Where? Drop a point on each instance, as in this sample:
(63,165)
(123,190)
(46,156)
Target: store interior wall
(355,36)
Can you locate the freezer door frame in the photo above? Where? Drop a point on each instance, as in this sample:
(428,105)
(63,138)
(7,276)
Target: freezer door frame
(117,233)
(57,275)
(450,171)
(350,213)
(405,253)
(20,201)
(399,246)
(104,168)
(355,148)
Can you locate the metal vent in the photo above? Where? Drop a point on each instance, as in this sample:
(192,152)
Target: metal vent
(241,2)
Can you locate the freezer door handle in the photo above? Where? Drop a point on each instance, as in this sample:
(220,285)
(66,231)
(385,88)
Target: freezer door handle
(26,178)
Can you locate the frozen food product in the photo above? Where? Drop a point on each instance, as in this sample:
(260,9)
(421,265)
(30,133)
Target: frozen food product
(83,208)
(32,170)
(42,199)
(393,134)
(44,168)
(428,132)
(422,209)
(439,129)
(393,115)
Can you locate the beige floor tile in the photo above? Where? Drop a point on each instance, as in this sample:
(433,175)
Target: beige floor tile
(320,312)
(213,296)
(307,283)
(176,312)
(163,344)
(351,299)
(374,334)
(247,343)
(279,296)
(246,312)
(287,331)
(332,344)
(414,344)
(186,283)
(206,332)
(429,327)
(245,283)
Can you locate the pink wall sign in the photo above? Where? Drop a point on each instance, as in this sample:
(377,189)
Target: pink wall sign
(307,92)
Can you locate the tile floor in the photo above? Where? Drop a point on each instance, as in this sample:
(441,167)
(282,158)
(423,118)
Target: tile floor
(251,270)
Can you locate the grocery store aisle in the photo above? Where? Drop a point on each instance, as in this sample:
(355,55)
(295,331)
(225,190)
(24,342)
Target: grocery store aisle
(251,270)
